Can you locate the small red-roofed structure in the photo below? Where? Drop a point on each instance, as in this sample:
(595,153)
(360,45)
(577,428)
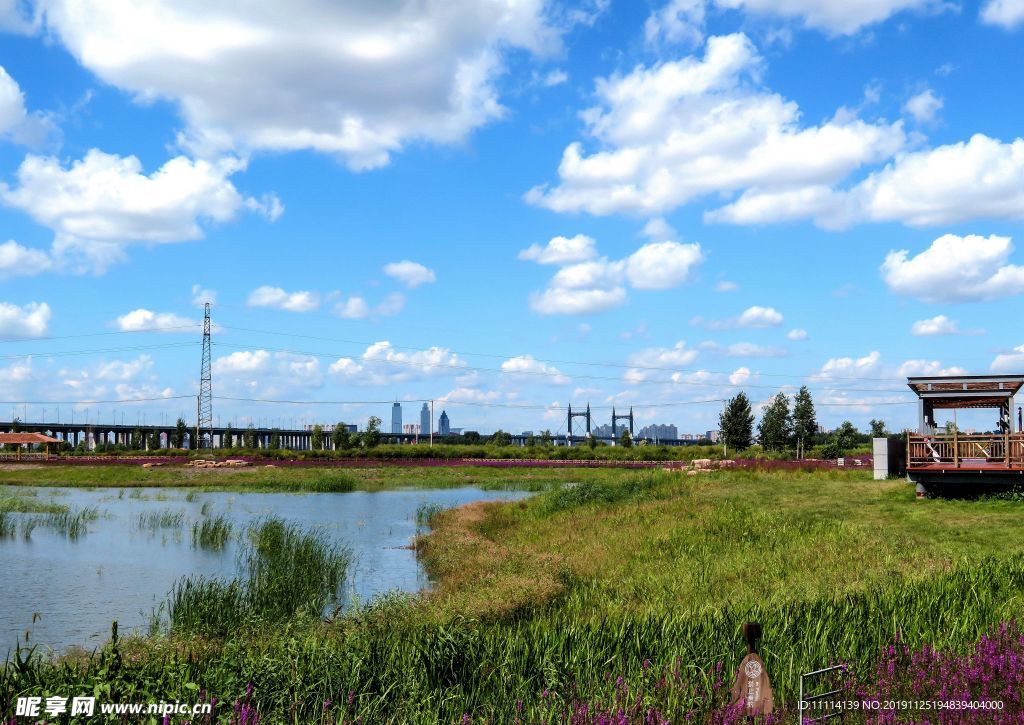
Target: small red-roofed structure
(28,439)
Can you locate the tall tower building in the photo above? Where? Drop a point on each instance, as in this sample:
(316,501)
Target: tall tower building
(396,418)
(425,420)
(443,426)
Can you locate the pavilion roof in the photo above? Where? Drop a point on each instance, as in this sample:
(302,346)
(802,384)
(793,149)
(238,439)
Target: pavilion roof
(27,438)
(966,391)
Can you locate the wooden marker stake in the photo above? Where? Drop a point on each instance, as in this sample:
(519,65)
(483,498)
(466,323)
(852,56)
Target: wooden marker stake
(752,688)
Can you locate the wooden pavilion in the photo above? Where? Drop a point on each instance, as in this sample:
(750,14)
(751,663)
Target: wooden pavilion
(937,455)
(28,439)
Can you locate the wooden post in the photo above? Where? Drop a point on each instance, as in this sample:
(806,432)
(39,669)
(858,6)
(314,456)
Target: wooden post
(956,441)
(752,688)
(751,635)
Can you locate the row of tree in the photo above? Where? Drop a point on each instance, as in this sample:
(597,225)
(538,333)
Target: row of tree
(782,429)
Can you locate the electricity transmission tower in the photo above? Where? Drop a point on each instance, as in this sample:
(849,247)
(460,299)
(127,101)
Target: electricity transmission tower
(204,412)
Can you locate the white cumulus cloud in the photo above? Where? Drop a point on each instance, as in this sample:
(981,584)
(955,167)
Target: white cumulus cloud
(739,376)
(661,265)
(103,202)
(1007,13)
(30,320)
(677,21)
(382,364)
(796,334)
(267,373)
(980,178)
(561,250)
(834,17)
(599,284)
(956,269)
(358,80)
(242,361)
(562,301)
(19,261)
(753,317)
(758,316)
(678,130)
(851,367)
(530,366)
(653,362)
(1009,362)
(923,106)
(353,308)
(411,274)
(267,296)
(911,368)
(143,319)
(938,325)
(16,122)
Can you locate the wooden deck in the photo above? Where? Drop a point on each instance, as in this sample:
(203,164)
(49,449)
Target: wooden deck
(960,452)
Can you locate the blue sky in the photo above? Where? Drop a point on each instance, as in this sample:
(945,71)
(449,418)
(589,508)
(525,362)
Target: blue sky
(507,206)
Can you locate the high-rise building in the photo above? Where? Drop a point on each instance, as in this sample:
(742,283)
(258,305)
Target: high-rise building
(411,429)
(602,431)
(425,420)
(396,418)
(659,432)
(443,426)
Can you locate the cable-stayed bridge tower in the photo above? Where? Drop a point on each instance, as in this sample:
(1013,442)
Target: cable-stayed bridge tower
(572,415)
(622,416)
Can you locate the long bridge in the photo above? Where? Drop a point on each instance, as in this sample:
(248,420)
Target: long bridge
(297,439)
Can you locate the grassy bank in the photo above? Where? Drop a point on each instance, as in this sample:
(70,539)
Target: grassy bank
(651,541)
(260,478)
(547,603)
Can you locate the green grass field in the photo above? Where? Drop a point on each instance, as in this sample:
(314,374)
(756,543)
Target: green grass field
(651,541)
(605,574)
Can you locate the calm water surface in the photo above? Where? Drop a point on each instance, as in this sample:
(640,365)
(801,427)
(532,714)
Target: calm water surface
(118,570)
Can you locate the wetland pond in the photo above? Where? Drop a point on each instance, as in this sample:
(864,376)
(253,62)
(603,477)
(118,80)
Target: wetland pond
(65,585)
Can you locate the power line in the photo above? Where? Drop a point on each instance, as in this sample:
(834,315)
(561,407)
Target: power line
(96,351)
(549,360)
(542,373)
(96,402)
(99,334)
(523,406)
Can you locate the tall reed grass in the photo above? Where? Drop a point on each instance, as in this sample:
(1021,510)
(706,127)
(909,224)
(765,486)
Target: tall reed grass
(286,572)
(71,523)
(211,533)
(164,519)
(24,504)
(425,512)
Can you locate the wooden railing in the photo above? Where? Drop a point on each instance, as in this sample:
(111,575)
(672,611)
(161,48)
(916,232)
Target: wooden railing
(959,450)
